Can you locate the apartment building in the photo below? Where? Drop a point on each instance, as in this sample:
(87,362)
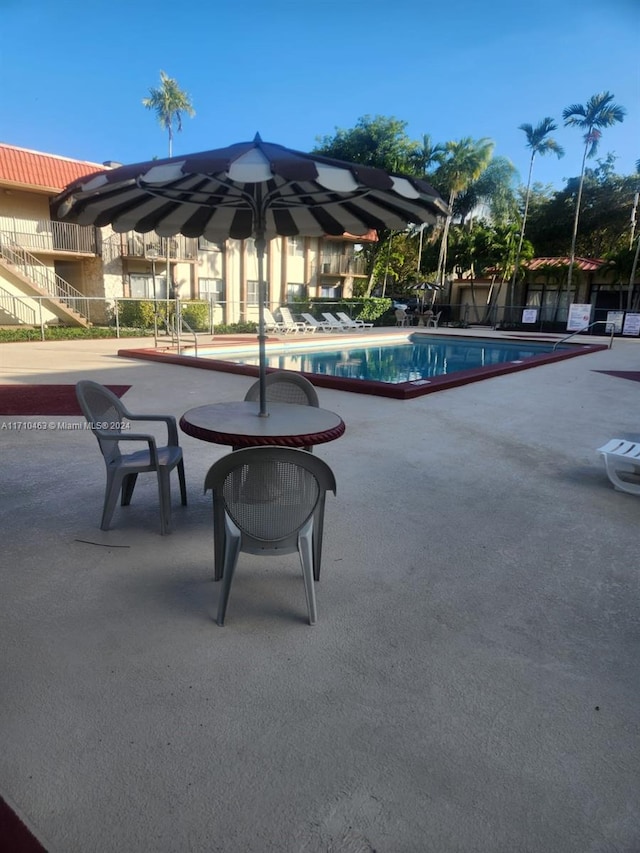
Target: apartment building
(57,272)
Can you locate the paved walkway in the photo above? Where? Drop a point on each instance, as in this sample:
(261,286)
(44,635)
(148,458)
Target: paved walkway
(472,682)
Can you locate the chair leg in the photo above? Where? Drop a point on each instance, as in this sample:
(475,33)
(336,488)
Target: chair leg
(305,548)
(164,493)
(231,552)
(614,467)
(128,485)
(112,492)
(183,483)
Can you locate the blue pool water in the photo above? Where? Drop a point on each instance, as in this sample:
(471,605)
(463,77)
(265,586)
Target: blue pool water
(419,359)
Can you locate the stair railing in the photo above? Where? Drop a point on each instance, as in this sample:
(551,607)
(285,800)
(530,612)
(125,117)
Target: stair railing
(16,308)
(586,329)
(44,278)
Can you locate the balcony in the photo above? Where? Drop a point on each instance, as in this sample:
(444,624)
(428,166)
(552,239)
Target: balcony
(150,246)
(49,236)
(340,265)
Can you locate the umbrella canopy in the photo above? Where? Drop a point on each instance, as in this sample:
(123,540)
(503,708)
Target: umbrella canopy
(250,189)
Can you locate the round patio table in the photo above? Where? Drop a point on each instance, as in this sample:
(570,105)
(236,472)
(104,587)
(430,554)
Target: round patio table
(240,425)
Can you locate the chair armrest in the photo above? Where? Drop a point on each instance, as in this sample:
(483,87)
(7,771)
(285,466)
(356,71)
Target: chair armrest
(169,420)
(153,449)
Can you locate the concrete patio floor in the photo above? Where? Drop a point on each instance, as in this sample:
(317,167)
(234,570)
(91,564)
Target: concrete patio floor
(471,684)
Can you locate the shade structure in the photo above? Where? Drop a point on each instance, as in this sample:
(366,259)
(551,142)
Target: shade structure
(250,189)
(426,287)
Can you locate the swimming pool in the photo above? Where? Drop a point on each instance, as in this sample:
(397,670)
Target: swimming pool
(405,367)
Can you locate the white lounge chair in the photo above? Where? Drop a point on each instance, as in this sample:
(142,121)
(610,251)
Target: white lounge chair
(622,457)
(352,324)
(292,325)
(316,325)
(336,325)
(271,324)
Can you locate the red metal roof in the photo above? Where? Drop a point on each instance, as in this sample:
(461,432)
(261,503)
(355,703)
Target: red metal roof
(585,264)
(20,167)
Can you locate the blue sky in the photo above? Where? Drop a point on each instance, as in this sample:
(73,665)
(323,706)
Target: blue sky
(74,73)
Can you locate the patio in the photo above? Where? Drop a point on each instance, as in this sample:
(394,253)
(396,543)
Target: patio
(471,684)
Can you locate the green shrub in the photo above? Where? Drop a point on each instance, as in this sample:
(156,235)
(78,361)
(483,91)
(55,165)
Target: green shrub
(196,314)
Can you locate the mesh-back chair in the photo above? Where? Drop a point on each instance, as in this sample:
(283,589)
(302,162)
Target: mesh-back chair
(108,418)
(283,386)
(268,500)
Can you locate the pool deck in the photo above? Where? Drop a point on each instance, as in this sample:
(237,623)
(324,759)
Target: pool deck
(471,684)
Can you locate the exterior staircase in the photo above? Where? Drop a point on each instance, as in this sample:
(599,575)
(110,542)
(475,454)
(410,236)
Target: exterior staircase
(33,278)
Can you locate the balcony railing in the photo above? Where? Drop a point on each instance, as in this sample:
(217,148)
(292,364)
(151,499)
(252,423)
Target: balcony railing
(48,235)
(150,246)
(340,265)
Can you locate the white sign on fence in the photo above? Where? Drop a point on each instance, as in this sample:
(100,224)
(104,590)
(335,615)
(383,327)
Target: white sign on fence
(530,315)
(614,321)
(579,317)
(631,324)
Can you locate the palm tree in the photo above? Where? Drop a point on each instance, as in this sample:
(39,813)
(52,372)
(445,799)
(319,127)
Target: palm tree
(538,142)
(599,112)
(169,102)
(463,162)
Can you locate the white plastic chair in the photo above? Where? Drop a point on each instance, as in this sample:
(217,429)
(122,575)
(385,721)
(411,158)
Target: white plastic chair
(269,501)
(284,386)
(271,324)
(317,325)
(292,325)
(334,323)
(352,324)
(622,457)
(107,417)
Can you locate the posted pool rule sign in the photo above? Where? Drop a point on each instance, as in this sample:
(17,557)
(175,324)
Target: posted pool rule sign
(579,317)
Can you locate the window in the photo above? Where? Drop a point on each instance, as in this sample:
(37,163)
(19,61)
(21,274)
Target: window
(252,292)
(211,289)
(330,291)
(295,247)
(208,246)
(142,286)
(295,291)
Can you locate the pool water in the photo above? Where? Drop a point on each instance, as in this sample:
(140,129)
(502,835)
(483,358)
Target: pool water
(402,368)
(416,360)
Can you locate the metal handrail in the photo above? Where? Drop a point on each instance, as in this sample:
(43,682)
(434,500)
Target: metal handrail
(586,329)
(16,307)
(45,279)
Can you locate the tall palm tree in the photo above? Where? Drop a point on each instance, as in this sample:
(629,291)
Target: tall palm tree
(169,102)
(599,112)
(463,162)
(538,142)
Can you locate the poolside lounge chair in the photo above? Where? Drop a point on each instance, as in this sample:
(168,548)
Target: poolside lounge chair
(269,500)
(318,325)
(622,457)
(352,324)
(292,325)
(284,386)
(271,324)
(336,325)
(108,417)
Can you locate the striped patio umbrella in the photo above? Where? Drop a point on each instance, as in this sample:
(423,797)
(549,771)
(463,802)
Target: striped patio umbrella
(250,189)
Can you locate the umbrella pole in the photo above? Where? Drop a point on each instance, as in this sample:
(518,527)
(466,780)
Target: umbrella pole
(262,295)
